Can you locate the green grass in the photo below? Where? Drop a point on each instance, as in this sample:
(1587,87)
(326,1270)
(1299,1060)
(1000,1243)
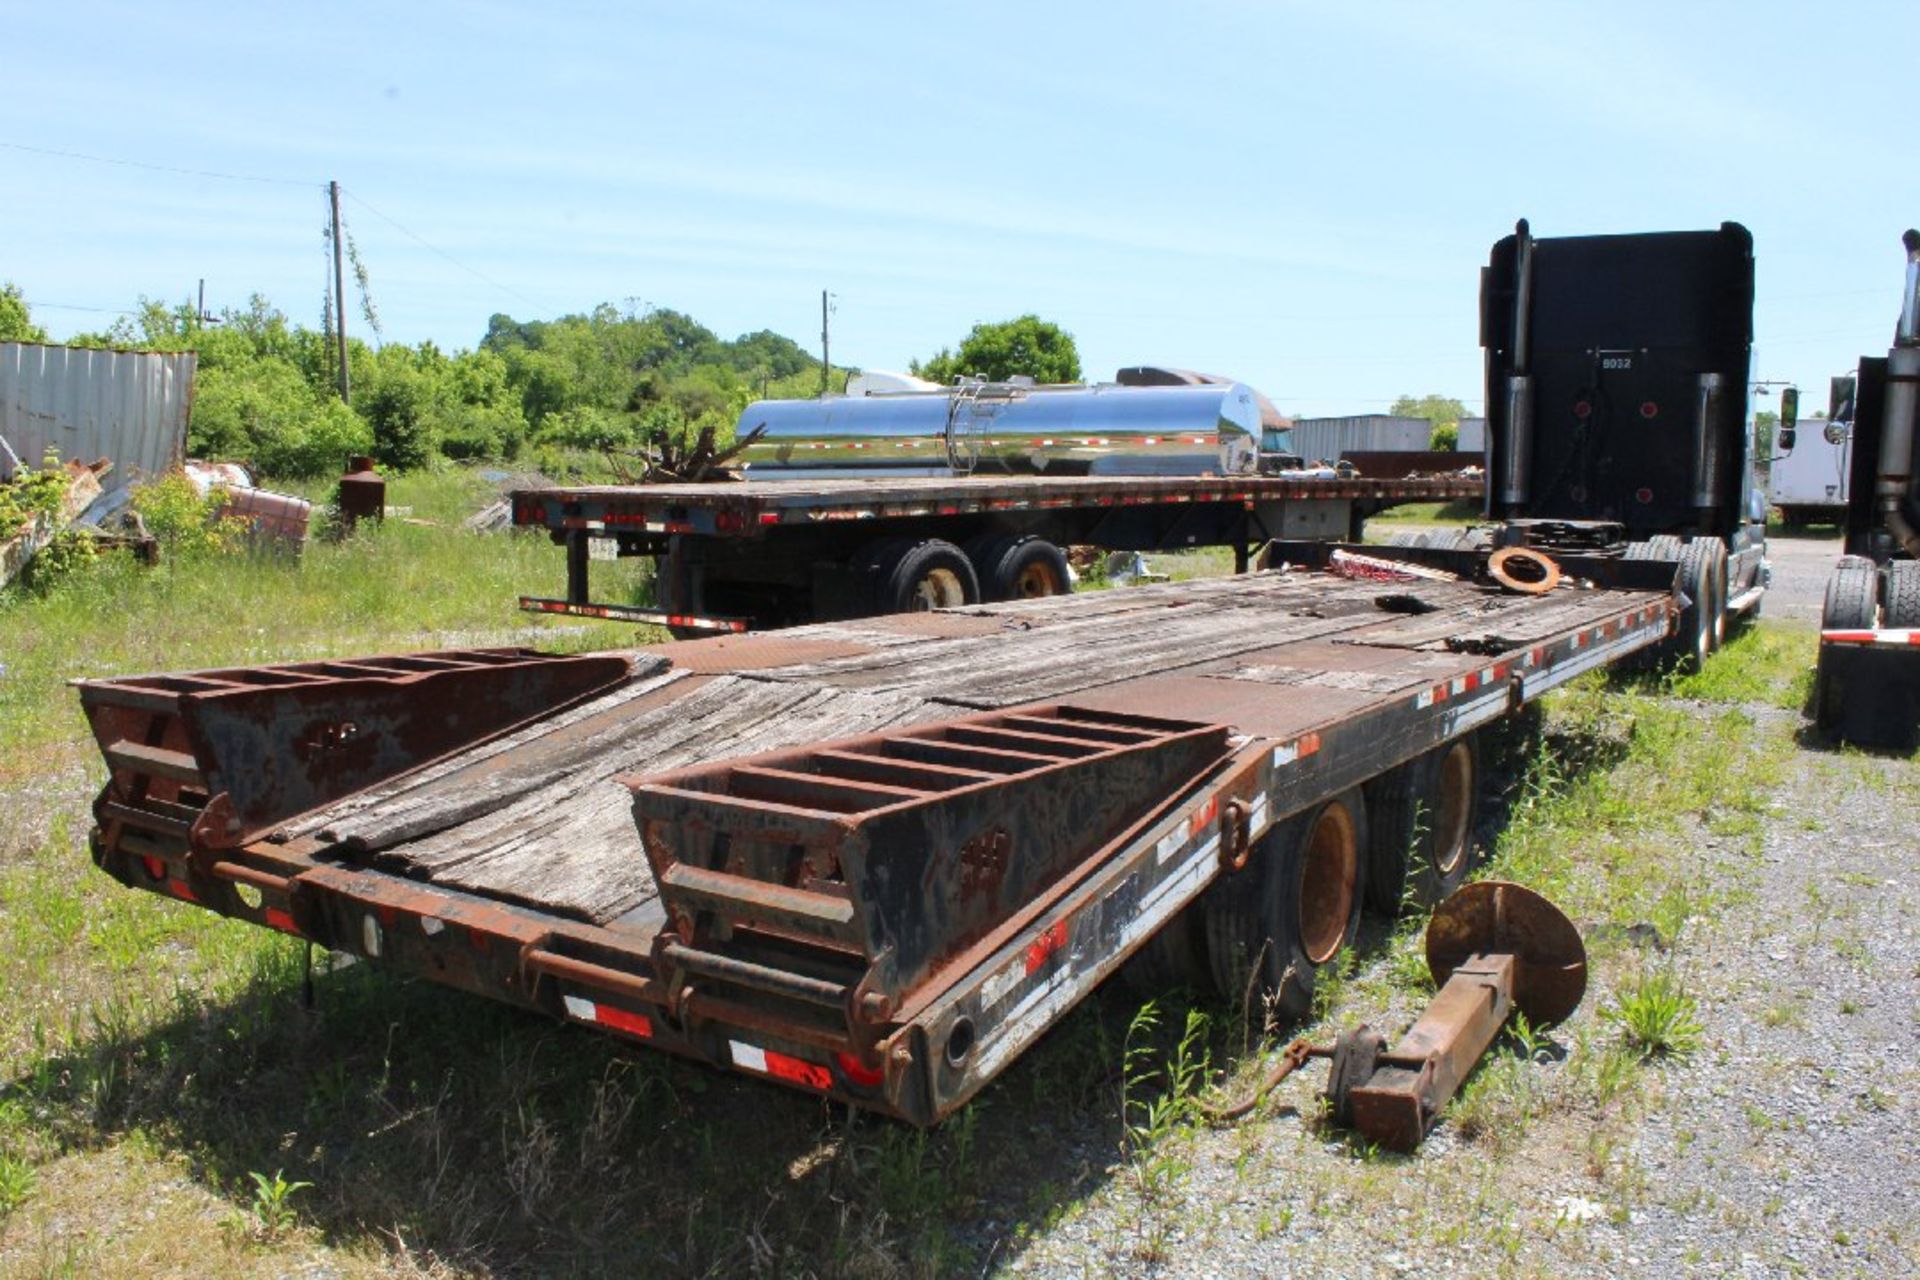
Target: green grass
(1656,1015)
(1460,511)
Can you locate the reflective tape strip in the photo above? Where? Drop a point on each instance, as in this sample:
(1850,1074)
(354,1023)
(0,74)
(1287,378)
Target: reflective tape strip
(781,1066)
(1298,749)
(1884,637)
(606,1015)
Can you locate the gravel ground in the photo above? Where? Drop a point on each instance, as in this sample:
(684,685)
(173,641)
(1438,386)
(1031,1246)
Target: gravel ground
(1785,1147)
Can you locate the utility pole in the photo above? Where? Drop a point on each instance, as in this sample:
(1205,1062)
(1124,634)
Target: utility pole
(339,294)
(826,363)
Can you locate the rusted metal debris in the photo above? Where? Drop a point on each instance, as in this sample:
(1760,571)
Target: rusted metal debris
(1524,570)
(83,487)
(1494,948)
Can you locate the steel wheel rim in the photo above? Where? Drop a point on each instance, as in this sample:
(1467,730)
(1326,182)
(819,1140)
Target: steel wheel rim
(1035,580)
(1329,867)
(939,589)
(1454,802)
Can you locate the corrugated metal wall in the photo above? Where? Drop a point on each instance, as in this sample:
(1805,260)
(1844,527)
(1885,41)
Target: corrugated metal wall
(128,406)
(1328,438)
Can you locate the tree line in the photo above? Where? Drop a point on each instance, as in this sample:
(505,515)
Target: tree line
(608,379)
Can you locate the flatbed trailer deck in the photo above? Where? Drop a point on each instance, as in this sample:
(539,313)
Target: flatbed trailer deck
(747,555)
(1087,766)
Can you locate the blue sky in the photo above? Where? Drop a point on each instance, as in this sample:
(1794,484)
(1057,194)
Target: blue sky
(1299,195)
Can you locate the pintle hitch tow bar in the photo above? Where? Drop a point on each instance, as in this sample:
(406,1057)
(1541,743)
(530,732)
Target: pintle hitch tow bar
(1493,948)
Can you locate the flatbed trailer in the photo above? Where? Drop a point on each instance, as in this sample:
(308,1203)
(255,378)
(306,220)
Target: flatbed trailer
(876,859)
(761,553)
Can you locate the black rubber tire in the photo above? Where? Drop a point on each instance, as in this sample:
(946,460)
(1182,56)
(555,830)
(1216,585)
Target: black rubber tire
(1703,579)
(1903,594)
(1258,938)
(1851,591)
(1420,822)
(1172,959)
(1407,538)
(1019,566)
(905,576)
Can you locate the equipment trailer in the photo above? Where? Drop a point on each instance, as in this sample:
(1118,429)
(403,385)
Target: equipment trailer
(874,859)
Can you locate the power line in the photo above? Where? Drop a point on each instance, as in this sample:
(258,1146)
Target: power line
(158,168)
(38,305)
(433,248)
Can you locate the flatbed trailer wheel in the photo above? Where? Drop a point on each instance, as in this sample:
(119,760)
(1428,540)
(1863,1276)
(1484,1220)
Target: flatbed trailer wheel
(1420,820)
(1174,958)
(1018,566)
(1903,594)
(1272,927)
(908,576)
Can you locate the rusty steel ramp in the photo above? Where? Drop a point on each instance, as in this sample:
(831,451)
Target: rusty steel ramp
(818,893)
(206,761)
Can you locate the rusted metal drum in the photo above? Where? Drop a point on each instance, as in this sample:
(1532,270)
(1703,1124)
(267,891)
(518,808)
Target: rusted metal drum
(272,519)
(363,492)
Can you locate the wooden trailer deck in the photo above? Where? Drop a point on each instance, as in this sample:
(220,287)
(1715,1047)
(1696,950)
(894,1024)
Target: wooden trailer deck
(537,818)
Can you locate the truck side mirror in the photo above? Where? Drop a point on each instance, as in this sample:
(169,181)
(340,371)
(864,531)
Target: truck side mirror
(1840,398)
(1783,439)
(1789,409)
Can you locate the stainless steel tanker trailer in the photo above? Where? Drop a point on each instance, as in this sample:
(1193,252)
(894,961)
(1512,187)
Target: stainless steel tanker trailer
(889,503)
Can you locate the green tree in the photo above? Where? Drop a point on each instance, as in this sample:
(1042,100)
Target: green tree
(1026,345)
(1444,412)
(16,322)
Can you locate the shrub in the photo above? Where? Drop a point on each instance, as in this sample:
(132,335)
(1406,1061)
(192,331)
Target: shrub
(184,522)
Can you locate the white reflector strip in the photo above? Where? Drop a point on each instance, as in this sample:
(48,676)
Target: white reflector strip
(750,1056)
(581,1009)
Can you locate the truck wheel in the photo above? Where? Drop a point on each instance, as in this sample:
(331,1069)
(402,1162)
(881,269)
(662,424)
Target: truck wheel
(1703,579)
(1903,593)
(1849,605)
(1420,820)
(912,577)
(1271,928)
(1019,567)
(1407,538)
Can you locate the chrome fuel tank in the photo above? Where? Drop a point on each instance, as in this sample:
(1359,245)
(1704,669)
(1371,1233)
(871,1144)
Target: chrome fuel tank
(1000,428)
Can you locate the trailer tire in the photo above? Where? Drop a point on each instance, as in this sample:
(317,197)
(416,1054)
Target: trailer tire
(1903,594)
(1019,567)
(1272,927)
(1420,822)
(1175,958)
(1849,603)
(1407,538)
(907,576)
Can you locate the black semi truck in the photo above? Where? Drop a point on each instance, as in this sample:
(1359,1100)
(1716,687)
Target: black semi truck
(1616,373)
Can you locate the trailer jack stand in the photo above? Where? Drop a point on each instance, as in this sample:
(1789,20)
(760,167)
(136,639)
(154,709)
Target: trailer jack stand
(1493,947)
